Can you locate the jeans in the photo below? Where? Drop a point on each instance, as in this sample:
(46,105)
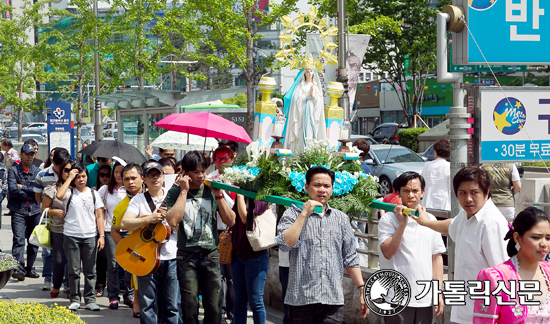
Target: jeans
(59,261)
(283,278)
(47,259)
(317,314)
(101,266)
(249,280)
(22,227)
(159,291)
(79,250)
(113,284)
(227,296)
(200,271)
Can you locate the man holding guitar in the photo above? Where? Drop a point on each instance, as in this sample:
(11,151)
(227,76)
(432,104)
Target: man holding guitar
(192,207)
(158,290)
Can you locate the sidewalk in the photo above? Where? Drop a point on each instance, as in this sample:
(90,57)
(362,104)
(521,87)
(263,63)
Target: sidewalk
(30,290)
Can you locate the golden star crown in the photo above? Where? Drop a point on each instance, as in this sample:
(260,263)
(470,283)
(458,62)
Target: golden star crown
(308,63)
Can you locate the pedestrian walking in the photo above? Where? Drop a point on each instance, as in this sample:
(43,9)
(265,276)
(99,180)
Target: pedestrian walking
(437,174)
(505,183)
(412,250)
(315,292)
(158,292)
(192,208)
(25,212)
(57,214)
(83,221)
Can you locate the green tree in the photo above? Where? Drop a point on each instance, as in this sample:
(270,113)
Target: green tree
(237,25)
(21,63)
(406,54)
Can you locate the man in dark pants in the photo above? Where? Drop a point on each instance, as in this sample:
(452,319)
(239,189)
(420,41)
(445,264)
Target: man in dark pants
(24,210)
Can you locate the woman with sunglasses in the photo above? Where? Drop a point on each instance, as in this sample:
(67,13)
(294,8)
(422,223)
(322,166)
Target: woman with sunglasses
(111,195)
(103,179)
(57,213)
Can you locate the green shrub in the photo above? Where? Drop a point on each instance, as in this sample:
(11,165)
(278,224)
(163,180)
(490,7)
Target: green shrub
(408,137)
(34,313)
(536,164)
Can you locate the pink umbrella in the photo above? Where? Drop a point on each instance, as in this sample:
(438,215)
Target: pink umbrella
(206,125)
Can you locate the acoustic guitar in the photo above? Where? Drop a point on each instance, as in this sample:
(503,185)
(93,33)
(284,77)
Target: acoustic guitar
(139,252)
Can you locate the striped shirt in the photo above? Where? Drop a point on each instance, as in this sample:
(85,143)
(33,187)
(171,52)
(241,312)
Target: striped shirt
(326,246)
(44,178)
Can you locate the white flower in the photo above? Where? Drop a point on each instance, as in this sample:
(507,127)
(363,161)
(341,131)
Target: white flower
(355,149)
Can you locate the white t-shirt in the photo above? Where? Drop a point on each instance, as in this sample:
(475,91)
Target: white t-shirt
(413,258)
(437,174)
(139,206)
(112,200)
(479,244)
(80,219)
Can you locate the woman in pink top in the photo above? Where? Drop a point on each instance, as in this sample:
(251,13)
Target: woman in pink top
(527,249)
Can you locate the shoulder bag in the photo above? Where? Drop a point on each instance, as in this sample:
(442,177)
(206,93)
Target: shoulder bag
(41,234)
(262,235)
(225,247)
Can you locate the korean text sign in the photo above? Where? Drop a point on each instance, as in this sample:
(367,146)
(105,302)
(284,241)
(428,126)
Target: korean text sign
(515,127)
(508,31)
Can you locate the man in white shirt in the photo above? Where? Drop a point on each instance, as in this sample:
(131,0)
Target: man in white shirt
(478,231)
(158,291)
(411,249)
(437,174)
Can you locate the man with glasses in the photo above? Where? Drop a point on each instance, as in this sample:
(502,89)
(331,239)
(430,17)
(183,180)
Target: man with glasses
(223,156)
(157,292)
(43,179)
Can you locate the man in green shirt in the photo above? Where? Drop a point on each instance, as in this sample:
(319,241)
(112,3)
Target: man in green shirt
(192,208)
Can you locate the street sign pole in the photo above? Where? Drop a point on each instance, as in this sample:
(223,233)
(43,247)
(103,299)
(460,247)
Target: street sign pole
(458,125)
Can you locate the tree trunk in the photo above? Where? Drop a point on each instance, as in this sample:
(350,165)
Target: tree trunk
(250,93)
(79,118)
(20,110)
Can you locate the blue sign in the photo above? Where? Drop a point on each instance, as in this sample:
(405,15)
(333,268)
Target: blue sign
(508,32)
(516,127)
(60,126)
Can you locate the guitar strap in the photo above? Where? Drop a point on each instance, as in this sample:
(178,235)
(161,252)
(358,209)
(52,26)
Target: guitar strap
(149,199)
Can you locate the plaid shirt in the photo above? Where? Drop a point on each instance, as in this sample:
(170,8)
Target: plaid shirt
(326,246)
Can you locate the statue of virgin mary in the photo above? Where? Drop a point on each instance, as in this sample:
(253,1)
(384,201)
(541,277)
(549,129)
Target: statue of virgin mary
(304,108)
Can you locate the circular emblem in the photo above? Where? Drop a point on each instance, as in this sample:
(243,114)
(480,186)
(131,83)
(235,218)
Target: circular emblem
(509,116)
(481,4)
(387,292)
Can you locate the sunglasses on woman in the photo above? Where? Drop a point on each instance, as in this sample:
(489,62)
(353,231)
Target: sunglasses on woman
(67,170)
(101,174)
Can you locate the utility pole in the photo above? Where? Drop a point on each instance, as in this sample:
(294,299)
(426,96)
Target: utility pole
(342,71)
(447,21)
(98,125)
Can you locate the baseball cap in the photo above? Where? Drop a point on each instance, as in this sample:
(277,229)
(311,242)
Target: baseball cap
(27,148)
(151,165)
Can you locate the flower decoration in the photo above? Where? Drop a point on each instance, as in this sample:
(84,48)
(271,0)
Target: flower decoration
(8,262)
(353,190)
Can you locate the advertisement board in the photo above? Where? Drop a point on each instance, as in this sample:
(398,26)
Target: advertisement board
(515,124)
(503,32)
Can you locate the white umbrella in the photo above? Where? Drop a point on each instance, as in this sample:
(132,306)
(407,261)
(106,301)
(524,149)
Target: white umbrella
(179,141)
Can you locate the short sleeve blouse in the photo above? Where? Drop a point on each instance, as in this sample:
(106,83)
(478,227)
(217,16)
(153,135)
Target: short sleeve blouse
(57,223)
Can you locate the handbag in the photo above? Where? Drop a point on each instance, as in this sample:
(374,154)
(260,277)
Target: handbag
(40,235)
(262,236)
(225,247)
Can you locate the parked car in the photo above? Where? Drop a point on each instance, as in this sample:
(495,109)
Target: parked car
(11,133)
(368,138)
(385,131)
(389,161)
(37,125)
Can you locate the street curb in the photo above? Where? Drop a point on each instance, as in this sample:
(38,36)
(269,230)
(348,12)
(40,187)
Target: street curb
(535,169)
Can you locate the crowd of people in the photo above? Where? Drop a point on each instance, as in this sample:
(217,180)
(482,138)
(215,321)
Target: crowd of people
(92,208)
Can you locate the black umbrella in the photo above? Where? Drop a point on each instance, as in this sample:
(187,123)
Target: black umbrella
(108,149)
